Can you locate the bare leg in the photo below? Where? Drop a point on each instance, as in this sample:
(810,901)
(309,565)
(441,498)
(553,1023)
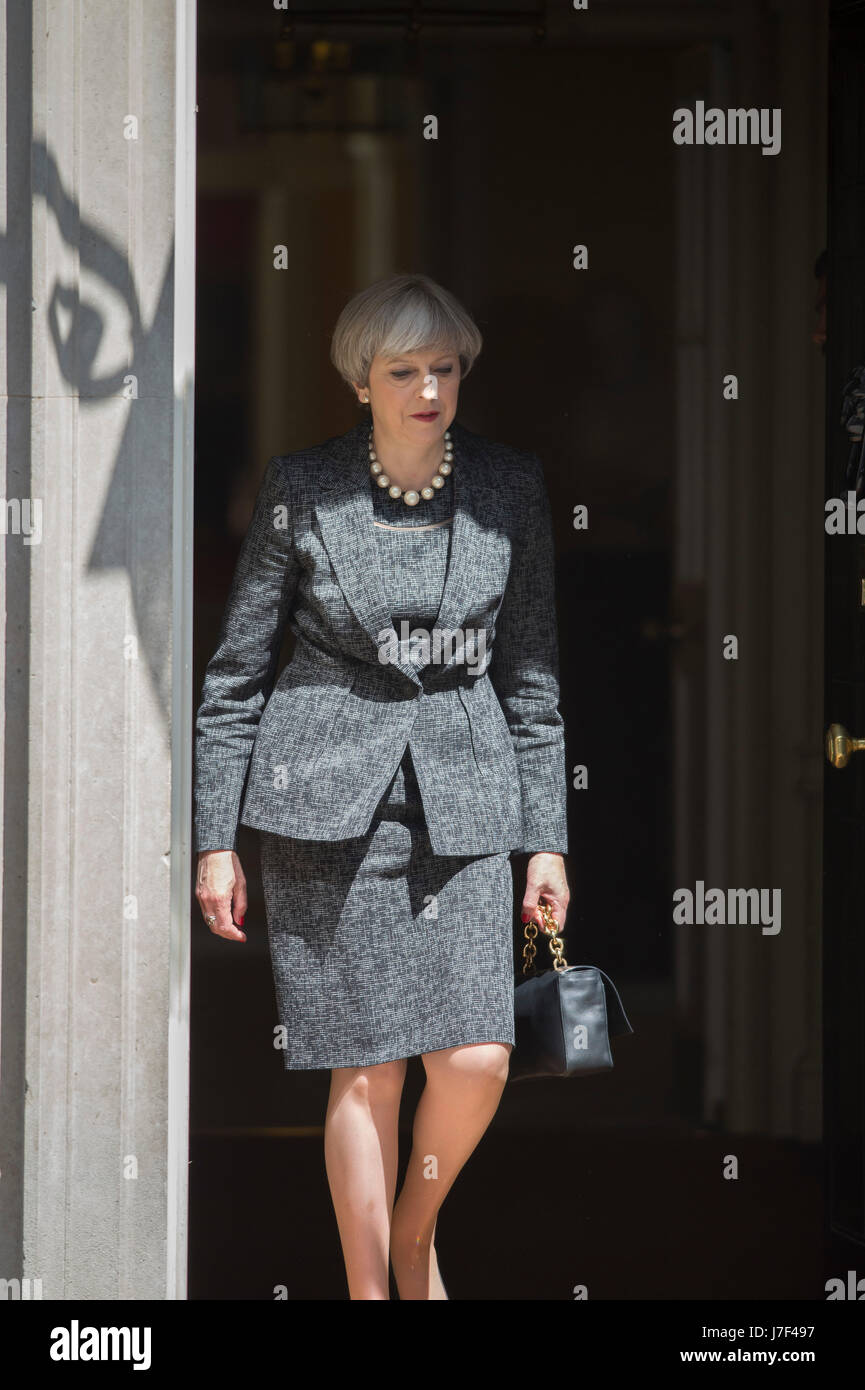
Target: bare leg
(361,1148)
(463,1088)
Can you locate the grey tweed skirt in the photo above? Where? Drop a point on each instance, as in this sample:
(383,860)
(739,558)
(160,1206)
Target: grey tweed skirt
(382,949)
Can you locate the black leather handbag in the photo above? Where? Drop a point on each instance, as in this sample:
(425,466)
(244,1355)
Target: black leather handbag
(564,1017)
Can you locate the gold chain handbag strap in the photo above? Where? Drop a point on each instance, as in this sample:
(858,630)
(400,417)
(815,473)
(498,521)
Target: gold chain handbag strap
(554,941)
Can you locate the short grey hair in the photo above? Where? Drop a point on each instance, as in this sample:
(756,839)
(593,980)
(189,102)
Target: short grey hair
(401,314)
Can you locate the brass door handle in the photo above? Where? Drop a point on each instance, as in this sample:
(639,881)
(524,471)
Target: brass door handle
(840,746)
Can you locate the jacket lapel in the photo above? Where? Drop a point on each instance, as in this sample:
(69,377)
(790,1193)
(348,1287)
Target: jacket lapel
(345,516)
(474,509)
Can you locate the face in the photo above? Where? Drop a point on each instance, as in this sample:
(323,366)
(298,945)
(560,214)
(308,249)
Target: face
(400,411)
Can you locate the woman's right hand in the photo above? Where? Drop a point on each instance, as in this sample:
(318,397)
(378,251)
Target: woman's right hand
(220,885)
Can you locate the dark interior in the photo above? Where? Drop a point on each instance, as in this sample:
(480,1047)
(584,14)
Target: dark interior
(310,138)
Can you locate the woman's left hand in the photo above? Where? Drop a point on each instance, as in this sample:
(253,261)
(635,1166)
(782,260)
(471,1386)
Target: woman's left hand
(546,882)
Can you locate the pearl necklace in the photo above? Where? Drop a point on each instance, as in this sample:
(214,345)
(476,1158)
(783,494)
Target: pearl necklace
(410,496)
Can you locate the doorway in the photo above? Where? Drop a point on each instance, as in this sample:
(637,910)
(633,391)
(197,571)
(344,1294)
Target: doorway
(315,178)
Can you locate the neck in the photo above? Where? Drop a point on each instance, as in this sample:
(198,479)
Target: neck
(408,465)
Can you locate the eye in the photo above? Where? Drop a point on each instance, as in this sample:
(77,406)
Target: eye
(443,371)
(400,374)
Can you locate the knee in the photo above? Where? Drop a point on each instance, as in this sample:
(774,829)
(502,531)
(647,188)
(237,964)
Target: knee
(370,1085)
(481,1063)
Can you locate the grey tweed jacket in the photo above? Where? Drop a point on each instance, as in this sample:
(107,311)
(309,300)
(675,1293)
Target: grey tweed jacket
(309,755)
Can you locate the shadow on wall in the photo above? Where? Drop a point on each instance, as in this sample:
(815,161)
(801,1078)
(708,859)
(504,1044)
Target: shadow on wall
(82,333)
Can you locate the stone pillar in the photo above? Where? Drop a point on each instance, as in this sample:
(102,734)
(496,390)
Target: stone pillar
(98,202)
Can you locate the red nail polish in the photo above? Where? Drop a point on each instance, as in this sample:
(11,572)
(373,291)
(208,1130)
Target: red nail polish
(525,916)
(240,921)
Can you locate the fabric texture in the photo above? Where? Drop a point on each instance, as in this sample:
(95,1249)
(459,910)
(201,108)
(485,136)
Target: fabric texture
(311,755)
(380,948)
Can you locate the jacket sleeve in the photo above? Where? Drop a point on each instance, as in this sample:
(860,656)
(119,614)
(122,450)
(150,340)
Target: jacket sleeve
(525,674)
(241,673)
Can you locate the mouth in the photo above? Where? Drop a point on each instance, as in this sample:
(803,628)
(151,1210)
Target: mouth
(426,415)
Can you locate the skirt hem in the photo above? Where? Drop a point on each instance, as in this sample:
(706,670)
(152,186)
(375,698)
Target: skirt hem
(400,1056)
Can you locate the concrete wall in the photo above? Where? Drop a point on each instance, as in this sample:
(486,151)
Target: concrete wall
(99,285)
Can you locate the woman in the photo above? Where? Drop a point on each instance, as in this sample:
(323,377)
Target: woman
(389,771)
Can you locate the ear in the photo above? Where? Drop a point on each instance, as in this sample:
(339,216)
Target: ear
(362,393)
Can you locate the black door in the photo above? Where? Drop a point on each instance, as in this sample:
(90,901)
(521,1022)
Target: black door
(844,821)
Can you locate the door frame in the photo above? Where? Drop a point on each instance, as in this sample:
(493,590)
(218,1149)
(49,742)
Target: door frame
(177,1199)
